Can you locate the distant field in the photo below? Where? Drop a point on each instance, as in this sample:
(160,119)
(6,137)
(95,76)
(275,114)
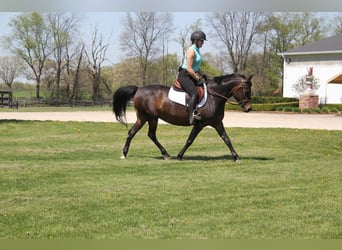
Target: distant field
(63,180)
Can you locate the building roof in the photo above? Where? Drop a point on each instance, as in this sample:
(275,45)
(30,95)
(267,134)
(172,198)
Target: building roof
(328,45)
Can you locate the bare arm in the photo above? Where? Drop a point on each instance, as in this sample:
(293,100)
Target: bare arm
(191,57)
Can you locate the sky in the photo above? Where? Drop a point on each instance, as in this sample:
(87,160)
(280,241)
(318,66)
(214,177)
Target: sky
(109,25)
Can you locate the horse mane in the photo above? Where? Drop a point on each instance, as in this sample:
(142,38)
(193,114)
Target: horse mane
(228,77)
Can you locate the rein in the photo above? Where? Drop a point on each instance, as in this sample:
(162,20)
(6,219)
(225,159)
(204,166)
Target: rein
(214,93)
(236,88)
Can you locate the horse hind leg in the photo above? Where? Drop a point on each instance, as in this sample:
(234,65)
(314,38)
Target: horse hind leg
(152,134)
(131,133)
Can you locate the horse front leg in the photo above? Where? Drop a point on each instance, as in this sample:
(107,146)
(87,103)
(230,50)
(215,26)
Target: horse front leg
(131,133)
(222,132)
(152,134)
(194,132)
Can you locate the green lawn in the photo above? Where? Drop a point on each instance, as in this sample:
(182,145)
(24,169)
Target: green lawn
(62,180)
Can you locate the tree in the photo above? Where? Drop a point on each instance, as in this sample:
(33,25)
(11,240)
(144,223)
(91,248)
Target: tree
(96,57)
(162,74)
(184,35)
(11,67)
(62,27)
(338,24)
(292,29)
(236,31)
(77,75)
(309,27)
(143,30)
(126,72)
(284,31)
(29,40)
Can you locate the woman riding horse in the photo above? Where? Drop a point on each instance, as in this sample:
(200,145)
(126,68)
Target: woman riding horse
(189,74)
(151,102)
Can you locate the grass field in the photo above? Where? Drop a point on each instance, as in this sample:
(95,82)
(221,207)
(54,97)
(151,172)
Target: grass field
(61,180)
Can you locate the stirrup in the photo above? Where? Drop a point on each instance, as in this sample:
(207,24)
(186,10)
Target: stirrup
(194,116)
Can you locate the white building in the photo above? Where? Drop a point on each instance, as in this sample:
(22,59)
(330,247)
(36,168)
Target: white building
(325,56)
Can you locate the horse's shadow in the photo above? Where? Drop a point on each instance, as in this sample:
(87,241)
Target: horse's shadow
(217,158)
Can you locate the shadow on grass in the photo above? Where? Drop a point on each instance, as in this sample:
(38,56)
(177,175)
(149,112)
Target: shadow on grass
(215,158)
(14,121)
(11,121)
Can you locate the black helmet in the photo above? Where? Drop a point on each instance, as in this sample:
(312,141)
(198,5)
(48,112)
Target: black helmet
(198,35)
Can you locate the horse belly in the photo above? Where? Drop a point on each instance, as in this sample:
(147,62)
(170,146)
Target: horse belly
(174,114)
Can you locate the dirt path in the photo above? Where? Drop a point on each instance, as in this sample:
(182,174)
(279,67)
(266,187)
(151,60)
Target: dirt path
(232,119)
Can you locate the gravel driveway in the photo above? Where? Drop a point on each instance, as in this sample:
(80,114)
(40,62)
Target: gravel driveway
(232,119)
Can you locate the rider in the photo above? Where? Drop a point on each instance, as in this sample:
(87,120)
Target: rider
(189,75)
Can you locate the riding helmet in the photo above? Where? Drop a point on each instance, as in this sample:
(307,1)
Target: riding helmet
(198,35)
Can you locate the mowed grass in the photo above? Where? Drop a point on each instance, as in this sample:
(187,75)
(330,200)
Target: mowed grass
(61,180)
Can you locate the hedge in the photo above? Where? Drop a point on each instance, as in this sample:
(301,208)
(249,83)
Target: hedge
(264,103)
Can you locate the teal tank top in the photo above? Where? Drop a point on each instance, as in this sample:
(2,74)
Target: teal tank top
(198,59)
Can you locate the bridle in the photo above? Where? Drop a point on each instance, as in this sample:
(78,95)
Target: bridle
(242,85)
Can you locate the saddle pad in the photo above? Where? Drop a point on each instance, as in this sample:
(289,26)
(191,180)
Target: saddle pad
(180,96)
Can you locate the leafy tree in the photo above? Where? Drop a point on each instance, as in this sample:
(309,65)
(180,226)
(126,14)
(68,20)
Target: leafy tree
(125,73)
(292,29)
(11,67)
(29,40)
(208,66)
(337,23)
(164,70)
(284,31)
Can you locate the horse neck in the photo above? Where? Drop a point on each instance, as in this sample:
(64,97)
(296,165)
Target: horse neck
(226,89)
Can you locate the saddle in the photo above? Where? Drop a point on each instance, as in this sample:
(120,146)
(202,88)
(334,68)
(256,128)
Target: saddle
(178,95)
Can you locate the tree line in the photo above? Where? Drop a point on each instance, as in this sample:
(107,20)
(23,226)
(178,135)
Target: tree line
(48,49)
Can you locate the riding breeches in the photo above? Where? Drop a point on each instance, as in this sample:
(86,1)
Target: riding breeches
(188,83)
(189,86)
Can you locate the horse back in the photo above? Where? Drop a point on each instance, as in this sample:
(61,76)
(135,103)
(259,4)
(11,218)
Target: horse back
(150,96)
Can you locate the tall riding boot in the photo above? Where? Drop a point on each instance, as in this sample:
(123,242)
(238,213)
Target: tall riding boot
(194,114)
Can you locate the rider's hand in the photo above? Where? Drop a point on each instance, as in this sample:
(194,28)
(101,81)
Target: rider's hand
(200,82)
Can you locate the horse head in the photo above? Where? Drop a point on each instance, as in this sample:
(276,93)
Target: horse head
(239,87)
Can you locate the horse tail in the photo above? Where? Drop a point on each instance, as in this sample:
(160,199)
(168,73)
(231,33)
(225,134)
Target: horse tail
(121,98)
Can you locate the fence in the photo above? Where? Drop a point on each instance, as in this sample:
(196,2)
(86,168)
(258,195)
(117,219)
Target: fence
(34,102)
(6,99)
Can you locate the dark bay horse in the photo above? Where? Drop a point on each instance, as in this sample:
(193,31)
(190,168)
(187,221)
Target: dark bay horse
(151,102)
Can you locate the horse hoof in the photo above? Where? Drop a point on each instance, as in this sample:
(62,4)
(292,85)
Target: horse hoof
(123,157)
(238,160)
(166,157)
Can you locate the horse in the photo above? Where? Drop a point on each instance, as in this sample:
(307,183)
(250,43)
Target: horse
(151,102)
